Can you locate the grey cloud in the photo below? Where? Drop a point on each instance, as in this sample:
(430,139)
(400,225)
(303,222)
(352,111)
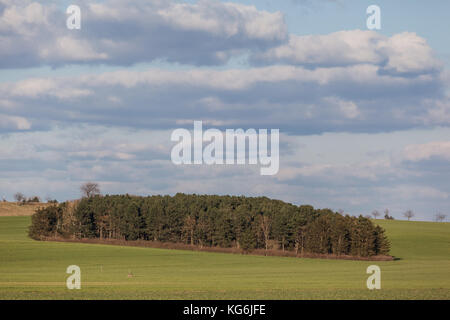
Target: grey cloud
(123,33)
(34,161)
(293,99)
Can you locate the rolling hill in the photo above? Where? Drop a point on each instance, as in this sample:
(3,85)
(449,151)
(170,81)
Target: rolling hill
(36,270)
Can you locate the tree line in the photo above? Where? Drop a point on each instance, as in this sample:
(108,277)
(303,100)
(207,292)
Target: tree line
(241,222)
(21,199)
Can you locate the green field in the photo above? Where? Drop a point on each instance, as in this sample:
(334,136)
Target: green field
(36,270)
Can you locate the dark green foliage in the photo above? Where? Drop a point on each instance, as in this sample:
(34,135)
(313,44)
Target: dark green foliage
(34,199)
(46,222)
(209,220)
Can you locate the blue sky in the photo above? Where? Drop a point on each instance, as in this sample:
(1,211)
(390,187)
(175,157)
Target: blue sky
(364,116)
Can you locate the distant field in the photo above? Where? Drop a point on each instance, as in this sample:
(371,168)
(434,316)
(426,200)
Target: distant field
(14,209)
(36,270)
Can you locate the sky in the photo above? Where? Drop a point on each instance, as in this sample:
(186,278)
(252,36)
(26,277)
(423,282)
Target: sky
(364,115)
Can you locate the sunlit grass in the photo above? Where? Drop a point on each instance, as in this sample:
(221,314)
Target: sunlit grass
(36,270)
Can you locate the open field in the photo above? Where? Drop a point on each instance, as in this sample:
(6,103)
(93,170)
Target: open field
(36,270)
(14,209)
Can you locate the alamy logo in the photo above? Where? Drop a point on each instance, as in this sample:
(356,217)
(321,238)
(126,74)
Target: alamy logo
(74,280)
(374,20)
(214,153)
(374,281)
(74,20)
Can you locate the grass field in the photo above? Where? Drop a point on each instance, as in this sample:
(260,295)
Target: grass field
(36,270)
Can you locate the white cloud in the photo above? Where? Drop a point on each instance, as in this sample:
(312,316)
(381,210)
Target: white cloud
(42,87)
(24,18)
(408,53)
(291,98)
(354,47)
(231,19)
(436,149)
(114,127)
(123,33)
(73,50)
(403,53)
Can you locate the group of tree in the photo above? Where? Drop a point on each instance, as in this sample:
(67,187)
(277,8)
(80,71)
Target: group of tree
(376,214)
(22,199)
(215,221)
(387,216)
(408,214)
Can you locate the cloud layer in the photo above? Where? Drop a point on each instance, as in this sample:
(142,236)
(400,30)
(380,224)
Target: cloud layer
(364,117)
(401,54)
(123,33)
(295,99)
(54,163)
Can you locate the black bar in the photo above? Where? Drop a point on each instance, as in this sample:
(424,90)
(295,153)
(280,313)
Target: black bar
(224,309)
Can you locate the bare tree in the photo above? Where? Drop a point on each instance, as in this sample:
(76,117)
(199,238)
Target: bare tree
(189,227)
(408,214)
(90,189)
(265,224)
(375,213)
(440,217)
(19,197)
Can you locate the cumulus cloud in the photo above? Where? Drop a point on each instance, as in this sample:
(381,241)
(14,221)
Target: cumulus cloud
(123,33)
(330,95)
(342,81)
(404,53)
(291,98)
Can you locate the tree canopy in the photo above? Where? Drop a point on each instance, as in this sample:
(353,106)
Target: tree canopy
(215,221)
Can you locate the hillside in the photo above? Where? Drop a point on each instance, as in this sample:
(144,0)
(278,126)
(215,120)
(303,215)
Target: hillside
(418,240)
(14,209)
(36,270)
